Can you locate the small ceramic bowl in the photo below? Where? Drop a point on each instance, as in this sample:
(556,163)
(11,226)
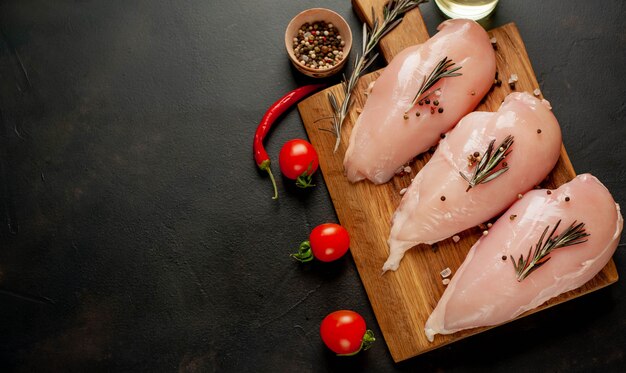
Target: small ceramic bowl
(311,16)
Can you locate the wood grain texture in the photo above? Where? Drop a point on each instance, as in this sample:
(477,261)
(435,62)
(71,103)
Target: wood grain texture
(403,300)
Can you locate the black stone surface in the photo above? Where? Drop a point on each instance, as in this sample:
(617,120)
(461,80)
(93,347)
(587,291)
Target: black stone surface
(138,235)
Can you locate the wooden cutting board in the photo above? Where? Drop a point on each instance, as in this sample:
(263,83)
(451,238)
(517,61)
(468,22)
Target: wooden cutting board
(403,300)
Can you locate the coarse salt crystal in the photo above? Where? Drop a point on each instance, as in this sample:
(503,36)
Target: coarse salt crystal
(514,77)
(536,92)
(402,191)
(456,238)
(546,103)
(445,281)
(493,40)
(446,272)
(407,169)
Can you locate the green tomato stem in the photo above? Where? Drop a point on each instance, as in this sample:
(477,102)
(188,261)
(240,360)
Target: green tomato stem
(305,180)
(304,253)
(366,343)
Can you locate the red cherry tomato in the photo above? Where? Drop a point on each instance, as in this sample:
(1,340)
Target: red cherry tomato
(329,241)
(298,161)
(344,332)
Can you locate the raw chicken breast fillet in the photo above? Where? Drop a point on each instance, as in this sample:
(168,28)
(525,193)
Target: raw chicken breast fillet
(382,140)
(485,291)
(423,217)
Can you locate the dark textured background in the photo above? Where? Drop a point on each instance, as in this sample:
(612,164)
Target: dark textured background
(137,234)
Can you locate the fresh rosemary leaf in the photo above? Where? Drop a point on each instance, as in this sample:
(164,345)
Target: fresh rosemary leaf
(333,101)
(485,170)
(443,69)
(573,235)
(495,174)
(393,12)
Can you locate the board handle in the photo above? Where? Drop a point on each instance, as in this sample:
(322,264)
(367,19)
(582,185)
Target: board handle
(412,30)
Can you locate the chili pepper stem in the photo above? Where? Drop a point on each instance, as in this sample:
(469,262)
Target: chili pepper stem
(366,343)
(265,166)
(304,253)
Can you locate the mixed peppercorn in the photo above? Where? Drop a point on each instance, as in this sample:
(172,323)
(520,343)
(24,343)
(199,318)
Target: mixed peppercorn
(318,45)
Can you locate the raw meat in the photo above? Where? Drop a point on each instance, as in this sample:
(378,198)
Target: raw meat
(485,290)
(423,217)
(382,140)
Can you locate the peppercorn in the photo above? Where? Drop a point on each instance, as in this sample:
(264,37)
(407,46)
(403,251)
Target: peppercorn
(566,199)
(443,198)
(406,116)
(440,110)
(549,192)
(443,135)
(476,154)
(427,101)
(503,257)
(538,130)
(417,113)
(316,46)
(504,164)
(436,103)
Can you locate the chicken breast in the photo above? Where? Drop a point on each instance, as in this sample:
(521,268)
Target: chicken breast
(382,140)
(438,205)
(485,289)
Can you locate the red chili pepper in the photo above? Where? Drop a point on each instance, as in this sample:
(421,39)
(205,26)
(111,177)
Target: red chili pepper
(275,111)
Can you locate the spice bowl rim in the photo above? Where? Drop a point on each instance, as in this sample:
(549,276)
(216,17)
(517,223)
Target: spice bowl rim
(312,15)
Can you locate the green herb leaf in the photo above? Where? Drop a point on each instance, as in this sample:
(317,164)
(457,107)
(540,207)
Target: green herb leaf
(393,12)
(443,69)
(573,235)
(485,170)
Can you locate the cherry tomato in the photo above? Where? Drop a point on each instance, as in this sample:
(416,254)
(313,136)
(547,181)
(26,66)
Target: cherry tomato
(329,241)
(344,332)
(298,161)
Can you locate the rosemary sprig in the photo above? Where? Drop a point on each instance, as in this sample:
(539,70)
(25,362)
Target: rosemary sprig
(442,70)
(484,171)
(393,14)
(573,235)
